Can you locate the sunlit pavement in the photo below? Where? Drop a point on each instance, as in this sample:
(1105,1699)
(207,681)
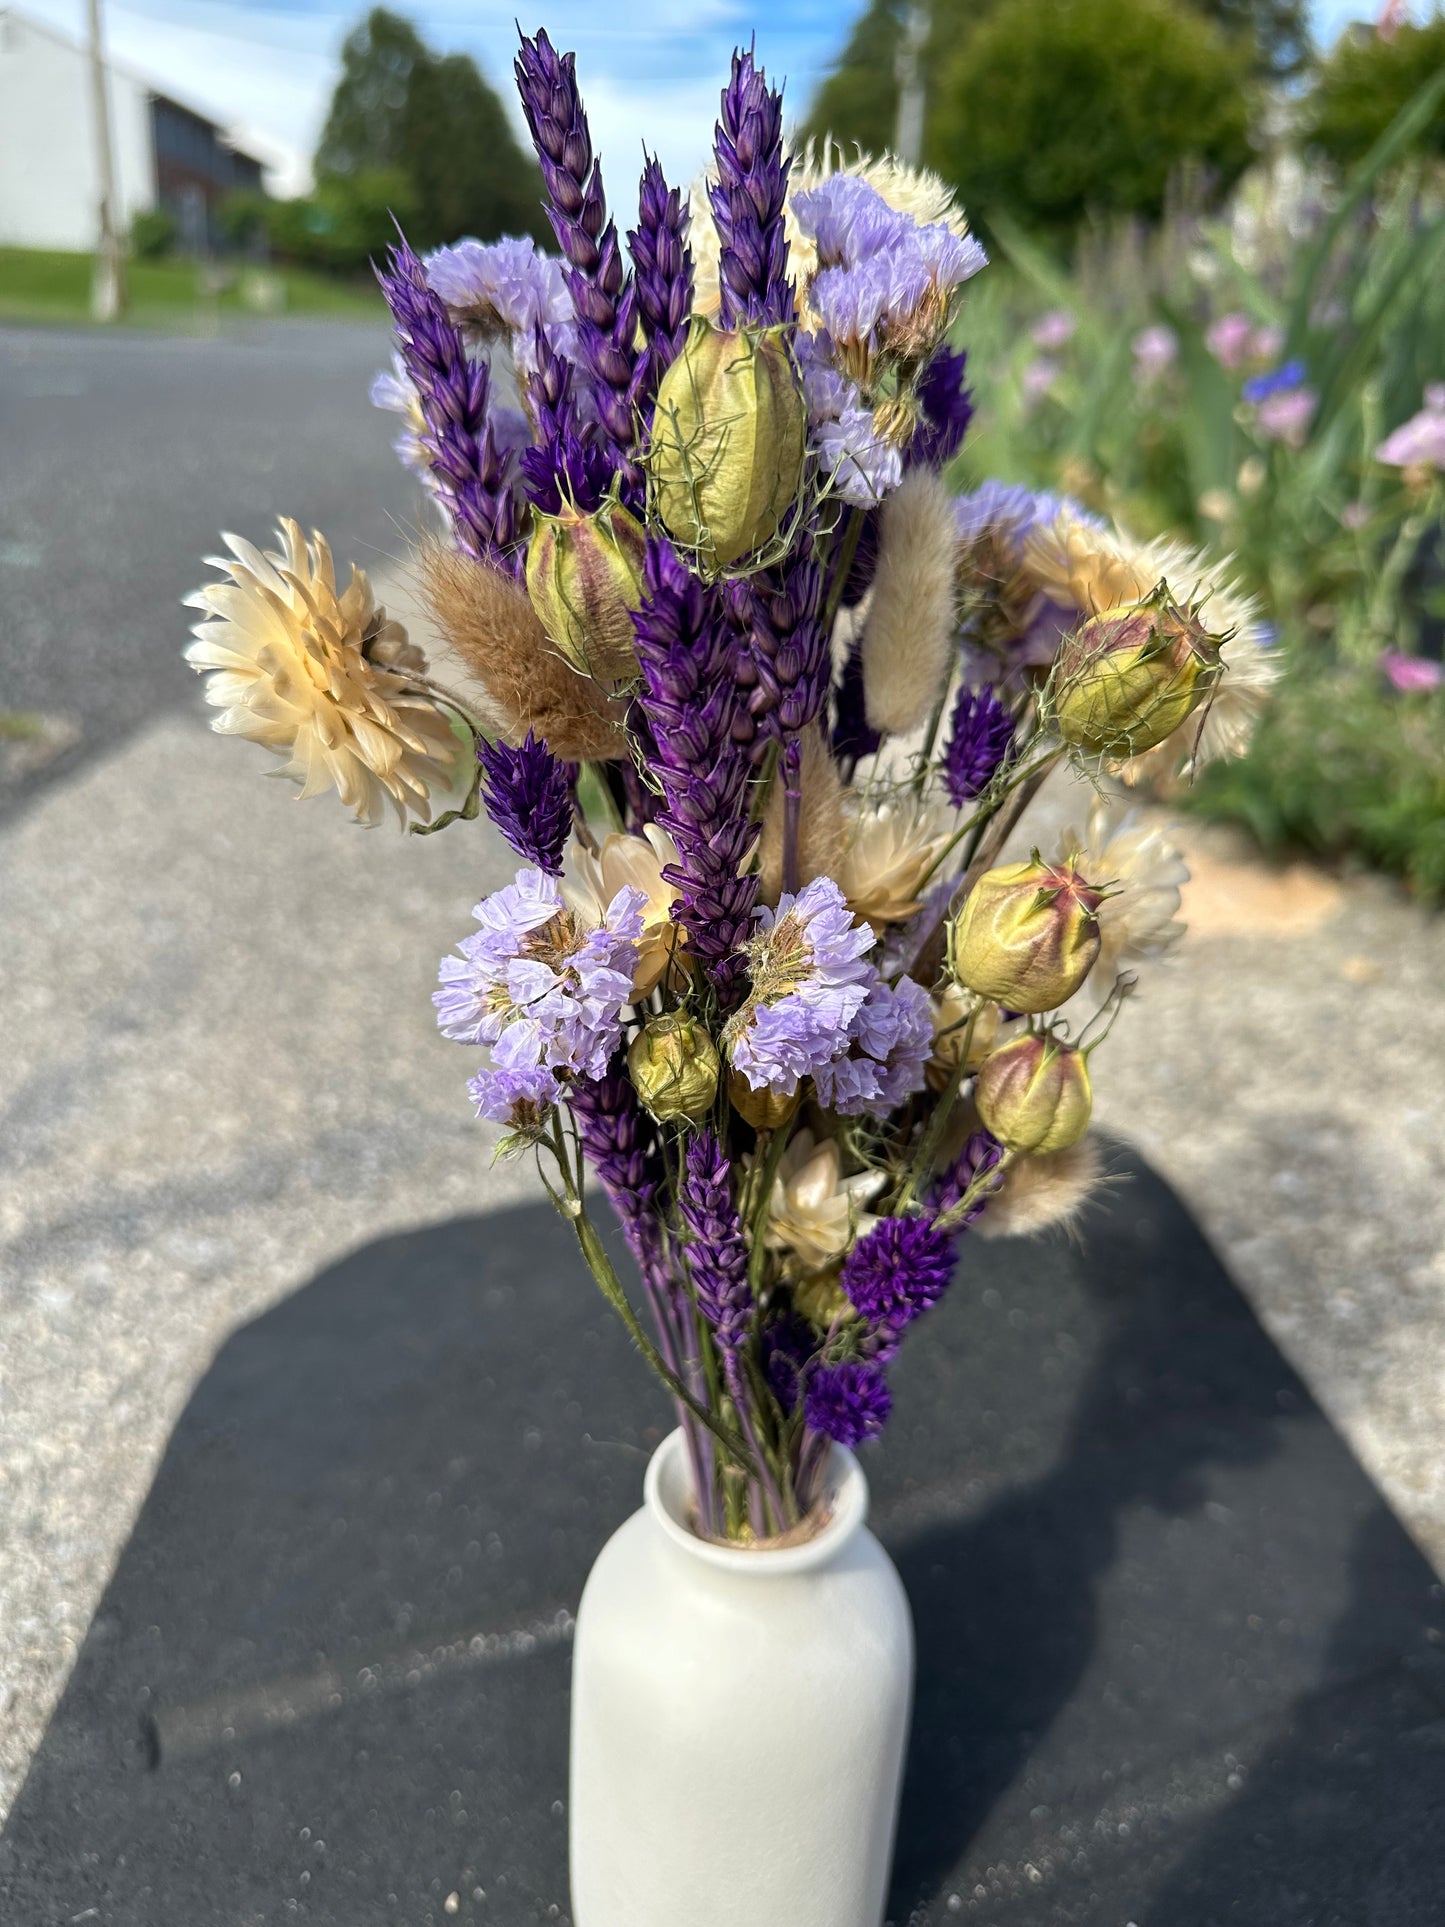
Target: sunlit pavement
(219,1069)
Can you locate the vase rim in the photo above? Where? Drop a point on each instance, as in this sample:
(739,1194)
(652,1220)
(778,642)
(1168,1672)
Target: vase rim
(667,1489)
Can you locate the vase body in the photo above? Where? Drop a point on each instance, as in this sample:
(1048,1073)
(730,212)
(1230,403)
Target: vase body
(738,1720)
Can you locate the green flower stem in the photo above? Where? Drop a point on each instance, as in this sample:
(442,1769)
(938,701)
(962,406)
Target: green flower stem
(933,1137)
(764,1174)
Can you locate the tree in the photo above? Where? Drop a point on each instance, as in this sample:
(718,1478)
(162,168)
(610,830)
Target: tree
(858,101)
(432,119)
(1364,83)
(1053,109)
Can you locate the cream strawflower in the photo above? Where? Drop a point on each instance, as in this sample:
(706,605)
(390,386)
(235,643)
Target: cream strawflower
(320,678)
(1092,569)
(1142,871)
(590,883)
(951,1012)
(909,190)
(815,1213)
(889,849)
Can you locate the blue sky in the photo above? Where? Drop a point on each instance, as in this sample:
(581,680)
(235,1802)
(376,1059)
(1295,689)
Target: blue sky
(649,68)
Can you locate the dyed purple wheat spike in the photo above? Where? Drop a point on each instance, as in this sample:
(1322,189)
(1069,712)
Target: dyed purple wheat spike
(787,663)
(565,463)
(747,201)
(717,1252)
(662,280)
(577,209)
(528,795)
(692,707)
(473,480)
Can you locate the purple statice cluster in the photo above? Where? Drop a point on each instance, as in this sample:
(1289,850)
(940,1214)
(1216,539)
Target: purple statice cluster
(810,978)
(889,1043)
(885,282)
(542,994)
(862,465)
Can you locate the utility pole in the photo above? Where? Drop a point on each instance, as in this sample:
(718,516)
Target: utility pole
(908,69)
(107,294)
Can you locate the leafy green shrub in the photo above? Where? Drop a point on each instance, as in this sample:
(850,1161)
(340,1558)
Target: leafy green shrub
(1342,766)
(153,234)
(1052,109)
(342,226)
(1365,83)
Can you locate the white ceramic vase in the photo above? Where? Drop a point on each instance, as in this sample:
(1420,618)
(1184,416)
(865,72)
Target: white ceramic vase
(738,1720)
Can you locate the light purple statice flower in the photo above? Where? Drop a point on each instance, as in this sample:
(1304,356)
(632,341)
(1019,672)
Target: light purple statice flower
(1053,331)
(810,978)
(862,466)
(890,1041)
(1283,403)
(1155,351)
(506,287)
(898,297)
(392,389)
(541,991)
(848,220)
(1419,442)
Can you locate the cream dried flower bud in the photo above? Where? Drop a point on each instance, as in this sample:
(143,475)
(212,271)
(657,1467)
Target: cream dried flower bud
(1128,677)
(1034,1094)
(1027,935)
(584,576)
(728,441)
(674,1068)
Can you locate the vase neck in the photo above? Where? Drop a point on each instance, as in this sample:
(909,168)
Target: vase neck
(843,1497)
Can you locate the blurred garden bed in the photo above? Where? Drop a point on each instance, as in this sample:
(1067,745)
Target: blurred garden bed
(1261,381)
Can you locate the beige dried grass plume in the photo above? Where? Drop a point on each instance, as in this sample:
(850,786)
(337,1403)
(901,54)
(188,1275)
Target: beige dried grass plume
(820,820)
(487,618)
(1043,1191)
(908,641)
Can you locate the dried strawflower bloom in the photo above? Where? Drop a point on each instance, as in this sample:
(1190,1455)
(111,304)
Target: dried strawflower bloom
(815,1213)
(888,852)
(320,677)
(908,640)
(591,882)
(1141,872)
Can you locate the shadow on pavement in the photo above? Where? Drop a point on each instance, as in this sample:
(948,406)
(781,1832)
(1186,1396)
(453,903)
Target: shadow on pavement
(1177,1662)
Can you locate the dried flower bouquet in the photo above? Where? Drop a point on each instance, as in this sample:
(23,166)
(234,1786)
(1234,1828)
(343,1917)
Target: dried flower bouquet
(758,702)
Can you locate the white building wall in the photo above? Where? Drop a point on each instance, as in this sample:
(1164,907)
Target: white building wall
(49,171)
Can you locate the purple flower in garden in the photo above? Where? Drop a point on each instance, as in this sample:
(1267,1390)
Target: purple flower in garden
(897,1270)
(1156,349)
(1419,442)
(890,1041)
(981,1153)
(1230,340)
(545,995)
(1277,381)
(1053,331)
(605,306)
(947,410)
(471,477)
(662,278)
(748,198)
(506,287)
(978,746)
(717,1252)
(1411,675)
(528,795)
(810,978)
(692,708)
(849,1402)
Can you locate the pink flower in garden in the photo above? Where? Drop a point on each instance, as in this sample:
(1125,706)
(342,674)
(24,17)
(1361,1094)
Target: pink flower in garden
(1037,380)
(1285,416)
(1411,675)
(1229,339)
(1155,350)
(1266,343)
(1419,442)
(1355,515)
(1053,331)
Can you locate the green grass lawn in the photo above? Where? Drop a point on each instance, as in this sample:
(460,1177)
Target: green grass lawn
(40,285)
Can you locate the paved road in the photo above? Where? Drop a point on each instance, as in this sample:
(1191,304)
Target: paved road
(217,1066)
(121,457)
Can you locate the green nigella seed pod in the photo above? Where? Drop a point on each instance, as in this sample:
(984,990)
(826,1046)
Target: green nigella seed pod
(1027,935)
(584,575)
(728,437)
(674,1068)
(1034,1095)
(1127,678)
